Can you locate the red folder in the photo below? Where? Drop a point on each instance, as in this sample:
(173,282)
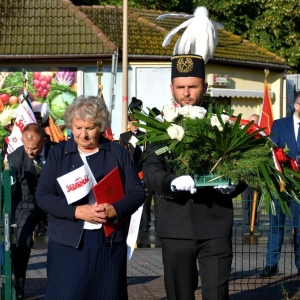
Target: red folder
(109,190)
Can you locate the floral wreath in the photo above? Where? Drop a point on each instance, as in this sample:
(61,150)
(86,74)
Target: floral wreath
(198,142)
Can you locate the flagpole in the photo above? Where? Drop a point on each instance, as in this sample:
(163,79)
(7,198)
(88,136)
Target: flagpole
(125,67)
(99,74)
(254,210)
(108,132)
(266,75)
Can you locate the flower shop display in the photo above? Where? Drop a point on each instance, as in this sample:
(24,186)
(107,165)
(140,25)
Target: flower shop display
(232,150)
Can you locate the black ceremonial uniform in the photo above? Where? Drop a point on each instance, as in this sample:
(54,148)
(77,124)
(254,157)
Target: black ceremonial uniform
(202,221)
(135,152)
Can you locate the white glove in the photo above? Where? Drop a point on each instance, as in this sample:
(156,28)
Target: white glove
(225,189)
(183,183)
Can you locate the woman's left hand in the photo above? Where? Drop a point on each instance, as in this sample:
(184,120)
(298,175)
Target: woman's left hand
(108,211)
(96,214)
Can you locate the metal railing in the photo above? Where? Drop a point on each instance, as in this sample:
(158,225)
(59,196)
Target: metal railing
(6,233)
(249,259)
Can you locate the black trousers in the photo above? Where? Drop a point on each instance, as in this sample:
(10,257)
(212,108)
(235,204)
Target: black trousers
(146,213)
(180,268)
(26,216)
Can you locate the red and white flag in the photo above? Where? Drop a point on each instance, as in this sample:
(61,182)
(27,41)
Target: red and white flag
(266,117)
(266,120)
(24,117)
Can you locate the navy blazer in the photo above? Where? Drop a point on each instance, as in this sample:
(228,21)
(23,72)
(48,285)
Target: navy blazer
(63,227)
(283,134)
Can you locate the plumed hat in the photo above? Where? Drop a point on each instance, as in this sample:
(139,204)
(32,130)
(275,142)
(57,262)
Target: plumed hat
(135,104)
(195,46)
(131,118)
(187,66)
(41,111)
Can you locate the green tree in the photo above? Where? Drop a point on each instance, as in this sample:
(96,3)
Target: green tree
(271,24)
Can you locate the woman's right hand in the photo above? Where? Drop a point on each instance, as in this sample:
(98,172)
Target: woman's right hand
(95,214)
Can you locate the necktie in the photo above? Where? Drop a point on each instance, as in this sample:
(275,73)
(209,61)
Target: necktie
(38,164)
(298,138)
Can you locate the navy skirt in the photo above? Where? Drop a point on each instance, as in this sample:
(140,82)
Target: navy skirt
(93,271)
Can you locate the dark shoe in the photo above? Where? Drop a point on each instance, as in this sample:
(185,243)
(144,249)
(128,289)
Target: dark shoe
(269,271)
(145,229)
(13,223)
(19,293)
(41,232)
(257,233)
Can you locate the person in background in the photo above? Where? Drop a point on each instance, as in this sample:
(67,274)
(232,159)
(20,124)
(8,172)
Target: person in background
(129,138)
(285,132)
(82,263)
(247,198)
(41,112)
(150,195)
(27,162)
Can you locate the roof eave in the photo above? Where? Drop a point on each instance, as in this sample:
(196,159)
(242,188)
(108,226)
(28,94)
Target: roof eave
(50,58)
(250,63)
(215,60)
(89,57)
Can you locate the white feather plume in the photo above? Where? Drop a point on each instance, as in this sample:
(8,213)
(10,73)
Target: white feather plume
(200,36)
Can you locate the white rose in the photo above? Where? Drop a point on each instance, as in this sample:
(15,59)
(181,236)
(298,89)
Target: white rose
(225,118)
(170,112)
(185,111)
(197,112)
(175,132)
(192,112)
(214,121)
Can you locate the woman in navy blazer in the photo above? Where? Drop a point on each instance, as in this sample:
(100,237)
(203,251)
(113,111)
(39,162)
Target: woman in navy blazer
(82,263)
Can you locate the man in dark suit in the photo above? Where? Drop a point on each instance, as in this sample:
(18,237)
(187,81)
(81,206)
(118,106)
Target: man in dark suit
(41,113)
(285,133)
(192,223)
(129,139)
(27,162)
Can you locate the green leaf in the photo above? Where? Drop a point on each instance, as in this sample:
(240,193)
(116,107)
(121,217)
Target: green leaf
(150,120)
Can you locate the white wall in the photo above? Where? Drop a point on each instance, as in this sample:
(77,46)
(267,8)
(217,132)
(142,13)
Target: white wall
(149,84)
(152,85)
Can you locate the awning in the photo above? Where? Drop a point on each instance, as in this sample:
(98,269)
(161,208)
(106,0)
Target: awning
(216,92)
